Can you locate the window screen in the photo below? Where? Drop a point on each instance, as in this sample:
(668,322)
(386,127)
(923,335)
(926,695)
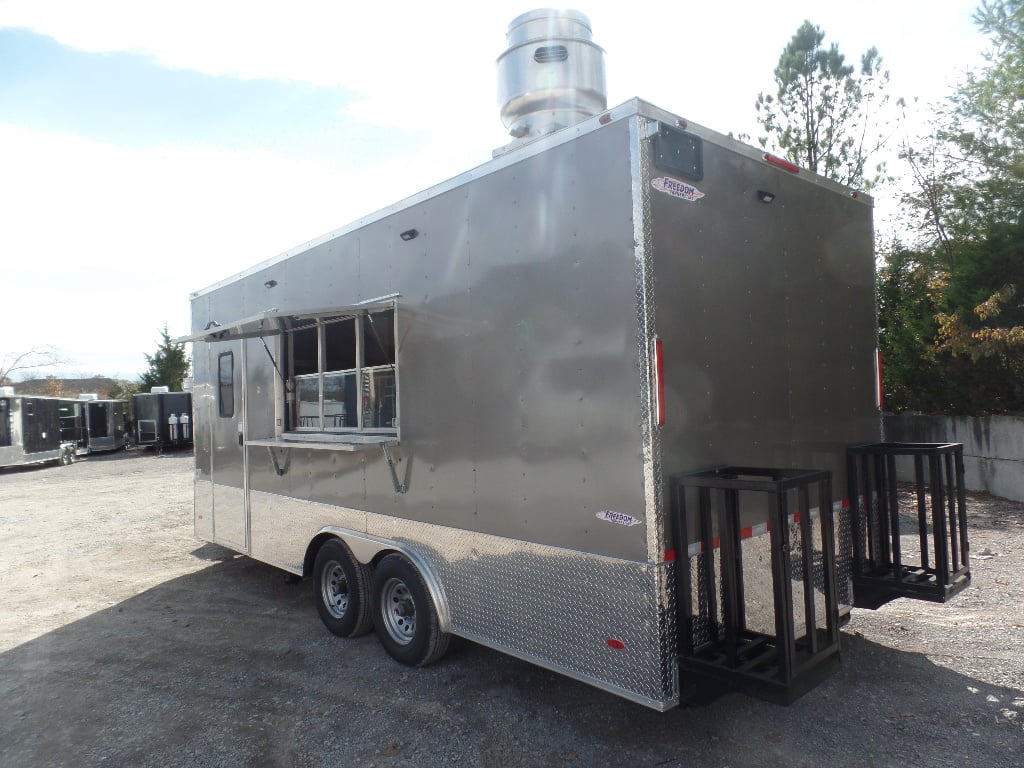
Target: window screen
(379,338)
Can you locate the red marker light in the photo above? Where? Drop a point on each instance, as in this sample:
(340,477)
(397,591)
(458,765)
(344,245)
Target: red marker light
(783,164)
(879,390)
(615,645)
(604,119)
(659,381)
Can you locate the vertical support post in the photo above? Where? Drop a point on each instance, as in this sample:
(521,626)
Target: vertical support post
(684,587)
(807,559)
(888,487)
(828,555)
(951,514)
(961,502)
(729,542)
(853,493)
(939,521)
(707,573)
(777,524)
(922,509)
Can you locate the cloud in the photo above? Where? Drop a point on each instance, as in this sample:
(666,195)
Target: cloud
(105,243)
(109,234)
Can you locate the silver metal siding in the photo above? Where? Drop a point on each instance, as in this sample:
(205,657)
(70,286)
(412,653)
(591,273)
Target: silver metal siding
(766,312)
(517,353)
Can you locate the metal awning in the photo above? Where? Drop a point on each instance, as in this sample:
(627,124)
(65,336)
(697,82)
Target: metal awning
(266,323)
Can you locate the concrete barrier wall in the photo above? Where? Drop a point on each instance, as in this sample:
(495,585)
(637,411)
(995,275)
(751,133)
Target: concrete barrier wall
(993,447)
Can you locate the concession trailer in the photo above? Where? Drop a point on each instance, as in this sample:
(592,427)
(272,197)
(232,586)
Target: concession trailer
(162,419)
(608,402)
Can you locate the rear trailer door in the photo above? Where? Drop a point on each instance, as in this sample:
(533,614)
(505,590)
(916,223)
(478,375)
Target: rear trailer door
(763,301)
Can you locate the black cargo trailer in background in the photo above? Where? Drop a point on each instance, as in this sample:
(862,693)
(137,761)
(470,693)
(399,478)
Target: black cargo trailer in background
(93,425)
(30,430)
(162,418)
(104,424)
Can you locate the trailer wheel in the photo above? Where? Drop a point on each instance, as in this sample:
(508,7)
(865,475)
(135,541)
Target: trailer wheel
(341,586)
(404,615)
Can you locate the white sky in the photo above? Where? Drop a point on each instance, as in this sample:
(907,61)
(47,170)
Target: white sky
(149,149)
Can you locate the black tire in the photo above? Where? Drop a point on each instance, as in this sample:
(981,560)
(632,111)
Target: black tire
(404,616)
(341,586)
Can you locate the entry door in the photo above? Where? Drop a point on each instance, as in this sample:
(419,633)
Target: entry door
(230,512)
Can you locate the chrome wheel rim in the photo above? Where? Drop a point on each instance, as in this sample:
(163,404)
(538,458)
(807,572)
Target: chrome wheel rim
(334,589)
(399,611)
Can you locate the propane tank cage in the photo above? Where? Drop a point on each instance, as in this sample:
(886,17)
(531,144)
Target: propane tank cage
(719,650)
(885,563)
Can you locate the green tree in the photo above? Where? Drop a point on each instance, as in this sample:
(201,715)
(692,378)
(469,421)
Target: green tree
(122,389)
(953,339)
(823,115)
(987,118)
(168,367)
(967,196)
(968,171)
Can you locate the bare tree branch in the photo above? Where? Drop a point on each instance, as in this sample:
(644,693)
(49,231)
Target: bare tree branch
(37,357)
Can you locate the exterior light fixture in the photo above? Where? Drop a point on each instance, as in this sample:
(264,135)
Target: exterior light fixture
(410,234)
(765,197)
(270,283)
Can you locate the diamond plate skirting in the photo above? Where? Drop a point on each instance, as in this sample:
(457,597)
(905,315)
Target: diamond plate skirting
(555,607)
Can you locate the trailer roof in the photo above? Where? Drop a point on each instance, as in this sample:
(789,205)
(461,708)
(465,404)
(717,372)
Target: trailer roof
(520,150)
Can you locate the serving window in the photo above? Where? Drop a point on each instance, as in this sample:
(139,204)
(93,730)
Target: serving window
(343,373)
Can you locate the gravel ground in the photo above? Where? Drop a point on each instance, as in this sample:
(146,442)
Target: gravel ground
(126,642)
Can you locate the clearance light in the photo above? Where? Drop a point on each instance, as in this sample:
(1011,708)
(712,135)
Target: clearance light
(780,163)
(879,391)
(604,119)
(615,645)
(659,381)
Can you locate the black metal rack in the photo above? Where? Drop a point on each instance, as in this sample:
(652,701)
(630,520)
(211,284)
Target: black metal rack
(883,566)
(718,649)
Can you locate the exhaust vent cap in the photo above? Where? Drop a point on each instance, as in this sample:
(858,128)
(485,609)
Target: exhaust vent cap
(552,75)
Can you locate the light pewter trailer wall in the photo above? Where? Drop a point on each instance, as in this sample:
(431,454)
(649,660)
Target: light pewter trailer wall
(506,431)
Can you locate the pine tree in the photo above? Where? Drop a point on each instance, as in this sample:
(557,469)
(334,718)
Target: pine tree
(823,116)
(168,367)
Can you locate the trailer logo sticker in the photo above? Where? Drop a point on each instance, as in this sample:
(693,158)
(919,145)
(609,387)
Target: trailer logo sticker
(617,517)
(677,188)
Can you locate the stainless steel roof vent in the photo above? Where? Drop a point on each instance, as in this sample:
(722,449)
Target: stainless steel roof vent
(552,75)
